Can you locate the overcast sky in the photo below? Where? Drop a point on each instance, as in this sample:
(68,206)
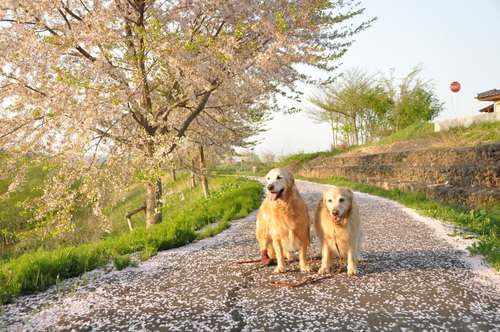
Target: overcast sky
(453,40)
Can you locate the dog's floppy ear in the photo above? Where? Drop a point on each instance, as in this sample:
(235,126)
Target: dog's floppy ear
(289,179)
(323,195)
(351,195)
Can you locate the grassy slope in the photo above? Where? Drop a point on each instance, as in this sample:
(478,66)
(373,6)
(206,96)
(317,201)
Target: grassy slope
(37,270)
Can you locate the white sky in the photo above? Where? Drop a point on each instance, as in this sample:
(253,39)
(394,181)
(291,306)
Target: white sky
(453,40)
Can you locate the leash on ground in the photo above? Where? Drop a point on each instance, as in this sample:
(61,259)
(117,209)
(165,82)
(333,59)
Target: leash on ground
(312,280)
(309,280)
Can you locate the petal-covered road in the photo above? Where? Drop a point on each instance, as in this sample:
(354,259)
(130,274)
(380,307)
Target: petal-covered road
(414,277)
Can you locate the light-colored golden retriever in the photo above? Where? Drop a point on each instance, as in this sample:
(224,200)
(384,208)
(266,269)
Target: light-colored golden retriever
(283,221)
(337,221)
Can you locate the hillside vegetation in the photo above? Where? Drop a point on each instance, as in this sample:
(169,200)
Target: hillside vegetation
(188,217)
(417,136)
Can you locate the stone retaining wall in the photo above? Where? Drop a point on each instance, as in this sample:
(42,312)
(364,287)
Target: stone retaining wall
(469,176)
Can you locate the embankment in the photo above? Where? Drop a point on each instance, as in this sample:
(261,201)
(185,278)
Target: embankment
(468,176)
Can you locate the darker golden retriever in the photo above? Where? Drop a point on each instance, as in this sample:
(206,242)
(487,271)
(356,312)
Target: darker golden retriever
(283,221)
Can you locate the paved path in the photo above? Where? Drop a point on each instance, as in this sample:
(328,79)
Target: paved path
(414,278)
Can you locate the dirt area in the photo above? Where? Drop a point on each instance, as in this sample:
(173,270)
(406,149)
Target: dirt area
(408,145)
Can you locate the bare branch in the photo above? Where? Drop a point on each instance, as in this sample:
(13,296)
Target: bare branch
(14,130)
(86,54)
(76,17)
(65,18)
(219,29)
(85,6)
(25,85)
(113,137)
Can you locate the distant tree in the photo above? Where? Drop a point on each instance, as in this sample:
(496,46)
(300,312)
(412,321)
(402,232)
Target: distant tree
(361,108)
(250,157)
(320,114)
(107,90)
(350,105)
(413,99)
(374,122)
(267,157)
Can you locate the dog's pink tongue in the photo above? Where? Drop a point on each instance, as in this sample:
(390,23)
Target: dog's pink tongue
(336,219)
(273,196)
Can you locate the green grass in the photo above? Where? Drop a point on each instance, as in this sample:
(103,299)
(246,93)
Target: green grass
(483,223)
(479,133)
(417,130)
(231,198)
(303,157)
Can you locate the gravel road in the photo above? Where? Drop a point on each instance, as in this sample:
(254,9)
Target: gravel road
(414,277)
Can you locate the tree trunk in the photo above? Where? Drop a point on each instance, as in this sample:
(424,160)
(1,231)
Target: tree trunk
(203,176)
(150,204)
(153,203)
(192,181)
(159,194)
(174,176)
(334,135)
(355,131)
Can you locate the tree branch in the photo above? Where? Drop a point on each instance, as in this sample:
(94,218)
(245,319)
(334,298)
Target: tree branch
(14,130)
(76,17)
(65,18)
(26,85)
(113,137)
(193,115)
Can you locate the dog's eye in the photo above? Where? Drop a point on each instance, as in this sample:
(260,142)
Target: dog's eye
(279,177)
(341,199)
(330,200)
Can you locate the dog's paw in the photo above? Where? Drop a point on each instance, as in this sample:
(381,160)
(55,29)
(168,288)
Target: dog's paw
(352,271)
(305,268)
(324,270)
(279,269)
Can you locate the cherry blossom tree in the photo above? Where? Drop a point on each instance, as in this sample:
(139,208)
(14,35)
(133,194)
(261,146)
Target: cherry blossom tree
(104,91)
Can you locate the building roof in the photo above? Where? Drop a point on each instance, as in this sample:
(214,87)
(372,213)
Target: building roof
(488,109)
(490,95)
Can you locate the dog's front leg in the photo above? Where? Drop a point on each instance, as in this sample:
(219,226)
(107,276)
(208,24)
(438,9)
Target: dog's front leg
(352,262)
(303,258)
(325,259)
(279,256)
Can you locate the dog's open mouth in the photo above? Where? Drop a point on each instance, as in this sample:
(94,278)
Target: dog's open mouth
(336,219)
(275,195)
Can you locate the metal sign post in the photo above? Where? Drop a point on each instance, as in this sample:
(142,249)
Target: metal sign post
(455,87)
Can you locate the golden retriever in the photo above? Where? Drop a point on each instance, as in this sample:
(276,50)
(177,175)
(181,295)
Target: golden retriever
(337,221)
(283,221)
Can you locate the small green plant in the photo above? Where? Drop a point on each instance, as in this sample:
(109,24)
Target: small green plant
(121,261)
(60,286)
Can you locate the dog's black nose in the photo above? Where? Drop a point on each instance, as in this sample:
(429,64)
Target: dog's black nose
(270,187)
(335,212)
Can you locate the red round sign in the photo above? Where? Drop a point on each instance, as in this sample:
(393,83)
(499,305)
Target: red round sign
(455,86)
